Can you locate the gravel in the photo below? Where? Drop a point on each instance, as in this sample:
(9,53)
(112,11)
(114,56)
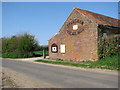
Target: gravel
(12,79)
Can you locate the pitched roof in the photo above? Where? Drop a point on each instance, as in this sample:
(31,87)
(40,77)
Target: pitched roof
(100,19)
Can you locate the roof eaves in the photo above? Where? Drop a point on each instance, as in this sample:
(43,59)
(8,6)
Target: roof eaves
(63,24)
(85,15)
(66,20)
(99,17)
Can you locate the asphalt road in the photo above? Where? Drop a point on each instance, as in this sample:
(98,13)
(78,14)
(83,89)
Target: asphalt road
(62,77)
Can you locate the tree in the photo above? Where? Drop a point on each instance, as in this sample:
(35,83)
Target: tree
(27,45)
(19,46)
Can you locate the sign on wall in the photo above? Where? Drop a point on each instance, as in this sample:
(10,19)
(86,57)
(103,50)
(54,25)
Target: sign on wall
(62,48)
(54,48)
(75,27)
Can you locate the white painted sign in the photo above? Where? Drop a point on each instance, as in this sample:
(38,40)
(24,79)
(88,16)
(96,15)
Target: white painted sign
(54,49)
(75,27)
(62,48)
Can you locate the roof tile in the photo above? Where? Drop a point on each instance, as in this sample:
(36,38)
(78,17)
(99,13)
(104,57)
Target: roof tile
(100,19)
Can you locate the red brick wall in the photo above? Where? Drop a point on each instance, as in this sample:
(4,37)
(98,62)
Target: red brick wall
(82,46)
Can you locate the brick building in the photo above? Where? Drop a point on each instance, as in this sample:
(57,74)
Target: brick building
(78,37)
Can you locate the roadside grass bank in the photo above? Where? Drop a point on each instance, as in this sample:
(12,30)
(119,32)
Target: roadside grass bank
(110,63)
(41,53)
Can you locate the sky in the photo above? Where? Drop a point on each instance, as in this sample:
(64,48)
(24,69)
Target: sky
(44,19)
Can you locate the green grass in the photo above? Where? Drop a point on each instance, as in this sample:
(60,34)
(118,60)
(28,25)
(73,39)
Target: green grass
(41,53)
(62,63)
(105,63)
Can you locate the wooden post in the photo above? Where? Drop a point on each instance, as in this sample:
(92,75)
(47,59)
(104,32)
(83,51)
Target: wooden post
(44,56)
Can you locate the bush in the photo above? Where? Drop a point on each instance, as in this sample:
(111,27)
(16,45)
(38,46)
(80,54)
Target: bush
(108,46)
(27,45)
(43,47)
(19,46)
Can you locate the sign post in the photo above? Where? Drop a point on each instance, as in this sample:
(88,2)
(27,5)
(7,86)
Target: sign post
(44,56)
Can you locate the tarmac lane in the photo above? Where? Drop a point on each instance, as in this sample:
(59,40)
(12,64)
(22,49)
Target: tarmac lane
(61,77)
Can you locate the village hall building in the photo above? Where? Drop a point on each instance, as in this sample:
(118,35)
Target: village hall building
(78,37)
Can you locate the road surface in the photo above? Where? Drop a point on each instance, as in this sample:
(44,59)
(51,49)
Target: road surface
(61,77)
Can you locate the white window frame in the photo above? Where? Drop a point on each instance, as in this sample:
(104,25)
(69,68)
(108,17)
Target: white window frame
(62,48)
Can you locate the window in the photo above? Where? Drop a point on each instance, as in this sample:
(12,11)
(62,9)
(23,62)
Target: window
(54,48)
(75,27)
(62,48)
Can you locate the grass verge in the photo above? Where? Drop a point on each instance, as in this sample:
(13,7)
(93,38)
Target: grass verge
(110,63)
(41,52)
